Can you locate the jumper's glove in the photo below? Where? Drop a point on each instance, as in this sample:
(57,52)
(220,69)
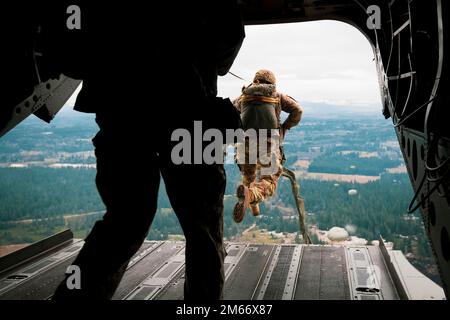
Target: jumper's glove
(283,131)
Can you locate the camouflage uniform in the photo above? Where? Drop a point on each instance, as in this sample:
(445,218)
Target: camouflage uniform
(267,184)
(265,187)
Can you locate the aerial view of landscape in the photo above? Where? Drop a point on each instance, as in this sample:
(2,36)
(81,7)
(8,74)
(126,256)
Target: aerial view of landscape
(349,167)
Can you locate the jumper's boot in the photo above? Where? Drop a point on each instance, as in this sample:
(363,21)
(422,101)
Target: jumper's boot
(255,209)
(243,203)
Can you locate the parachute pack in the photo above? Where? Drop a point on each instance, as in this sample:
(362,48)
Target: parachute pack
(258,107)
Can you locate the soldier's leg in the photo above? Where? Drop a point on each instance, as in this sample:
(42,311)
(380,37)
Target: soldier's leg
(247,162)
(248,174)
(249,177)
(270,173)
(247,168)
(127,180)
(196,194)
(264,188)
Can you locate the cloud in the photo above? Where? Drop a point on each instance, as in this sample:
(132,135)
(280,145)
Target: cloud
(314,61)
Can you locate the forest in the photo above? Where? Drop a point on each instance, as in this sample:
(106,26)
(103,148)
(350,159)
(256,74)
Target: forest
(45,195)
(352,163)
(38,200)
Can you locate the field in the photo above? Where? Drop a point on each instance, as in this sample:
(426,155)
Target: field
(351,178)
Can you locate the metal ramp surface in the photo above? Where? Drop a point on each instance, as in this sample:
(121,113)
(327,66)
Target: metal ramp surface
(252,272)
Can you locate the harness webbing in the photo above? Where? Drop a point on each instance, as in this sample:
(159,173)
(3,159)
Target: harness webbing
(249,98)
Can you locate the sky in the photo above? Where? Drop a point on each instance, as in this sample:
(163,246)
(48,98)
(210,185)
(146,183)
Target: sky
(321,62)
(325,62)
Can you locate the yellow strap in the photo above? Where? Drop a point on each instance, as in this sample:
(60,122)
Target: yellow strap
(248,98)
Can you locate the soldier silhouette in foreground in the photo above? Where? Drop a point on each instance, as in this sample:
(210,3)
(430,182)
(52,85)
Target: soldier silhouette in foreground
(145,77)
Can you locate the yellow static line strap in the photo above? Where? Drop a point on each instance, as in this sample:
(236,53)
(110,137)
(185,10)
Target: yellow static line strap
(248,98)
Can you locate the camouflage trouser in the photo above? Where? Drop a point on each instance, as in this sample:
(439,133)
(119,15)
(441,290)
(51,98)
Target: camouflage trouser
(269,171)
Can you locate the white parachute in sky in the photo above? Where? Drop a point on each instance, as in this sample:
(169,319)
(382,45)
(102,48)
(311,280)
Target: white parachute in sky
(337,234)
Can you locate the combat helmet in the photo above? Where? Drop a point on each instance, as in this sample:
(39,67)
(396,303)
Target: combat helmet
(264,76)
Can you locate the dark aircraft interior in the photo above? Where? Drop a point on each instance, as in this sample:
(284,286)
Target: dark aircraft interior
(410,43)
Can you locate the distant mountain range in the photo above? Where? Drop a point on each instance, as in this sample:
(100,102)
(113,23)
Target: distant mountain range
(312,109)
(324,110)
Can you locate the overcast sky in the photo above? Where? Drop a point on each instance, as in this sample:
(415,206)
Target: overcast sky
(324,61)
